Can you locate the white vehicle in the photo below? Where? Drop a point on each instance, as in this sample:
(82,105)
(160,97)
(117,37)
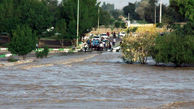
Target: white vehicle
(122,34)
(96,38)
(104,35)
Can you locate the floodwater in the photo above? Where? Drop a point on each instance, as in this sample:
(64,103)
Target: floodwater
(95,81)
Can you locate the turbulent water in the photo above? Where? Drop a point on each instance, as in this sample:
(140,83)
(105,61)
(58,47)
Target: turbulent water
(94,81)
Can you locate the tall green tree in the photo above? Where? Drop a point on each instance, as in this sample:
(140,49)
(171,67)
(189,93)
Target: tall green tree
(88,16)
(9,16)
(34,13)
(185,7)
(61,28)
(23,41)
(130,9)
(105,18)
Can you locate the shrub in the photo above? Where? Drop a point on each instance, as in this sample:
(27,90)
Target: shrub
(42,54)
(137,48)
(23,41)
(174,48)
(11,59)
(45,51)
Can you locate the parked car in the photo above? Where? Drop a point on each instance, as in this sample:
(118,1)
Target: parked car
(122,34)
(96,38)
(104,36)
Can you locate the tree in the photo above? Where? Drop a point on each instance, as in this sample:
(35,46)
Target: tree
(61,27)
(105,18)
(123,25)
(116,13)
(141,8)
(23,41)
(88,16)
(34,13)
(130,9)
(117,24)
(185,7)
(108,7)
(8,16)
(150,11)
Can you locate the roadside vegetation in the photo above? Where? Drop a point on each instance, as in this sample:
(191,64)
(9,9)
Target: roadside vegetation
(175,47)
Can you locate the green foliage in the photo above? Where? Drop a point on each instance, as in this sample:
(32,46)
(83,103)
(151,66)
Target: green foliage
(123,25)
(105,18)
(45,51)
(137,48)
(185,7)
(34,13)
(129,30)
(88,16)
(130,9)
(160,25)
(107,7)
(23,41)
(11,59)
(117,24)
(8,16)
(42,54)
(186,29)
(174,48)
(61,28)
(116,14)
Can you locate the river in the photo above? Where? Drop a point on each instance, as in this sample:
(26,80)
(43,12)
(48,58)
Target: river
(94,81)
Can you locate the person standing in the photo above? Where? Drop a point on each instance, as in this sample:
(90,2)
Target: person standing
(36,46)
(114,35)
(114,41)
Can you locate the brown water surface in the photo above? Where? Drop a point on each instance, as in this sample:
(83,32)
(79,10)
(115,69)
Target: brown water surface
(94,81)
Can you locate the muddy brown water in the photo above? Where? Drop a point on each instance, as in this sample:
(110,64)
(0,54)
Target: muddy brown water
(100,81)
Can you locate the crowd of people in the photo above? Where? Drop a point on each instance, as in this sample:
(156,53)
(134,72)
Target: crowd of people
(102,43)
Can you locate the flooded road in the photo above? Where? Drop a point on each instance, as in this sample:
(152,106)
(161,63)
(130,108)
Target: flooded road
(94,81)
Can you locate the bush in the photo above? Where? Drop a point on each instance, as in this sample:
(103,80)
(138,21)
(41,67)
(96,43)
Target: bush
(159,25)
(137,48)
(23,41)
(11,59)
(45,51)
(42,54)
(174,48)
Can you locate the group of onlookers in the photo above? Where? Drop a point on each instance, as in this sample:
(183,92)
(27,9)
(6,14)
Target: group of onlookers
(101,44)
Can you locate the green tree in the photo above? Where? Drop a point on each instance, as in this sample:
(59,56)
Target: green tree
(185,7)
(105,18)
(174,48)
(130,9)
(34,13)
(116,13)
(8,16)
(108,7)
(23,41)
(117,24)
(88,16)
(123,25)
(61,28)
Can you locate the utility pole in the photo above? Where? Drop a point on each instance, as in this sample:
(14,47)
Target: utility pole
(98,19)
(128,22)
(160,11)
(77,38)
(155,15)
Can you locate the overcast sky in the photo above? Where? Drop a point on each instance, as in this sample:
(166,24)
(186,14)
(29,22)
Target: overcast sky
(119,4)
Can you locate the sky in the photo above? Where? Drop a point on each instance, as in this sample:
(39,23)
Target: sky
(119,4)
